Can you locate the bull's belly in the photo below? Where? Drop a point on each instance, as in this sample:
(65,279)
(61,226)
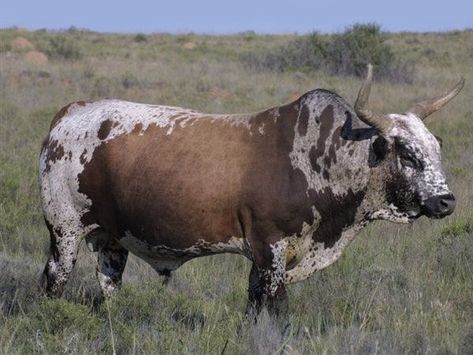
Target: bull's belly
(163,258)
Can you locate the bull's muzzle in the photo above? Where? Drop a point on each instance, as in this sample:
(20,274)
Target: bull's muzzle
(439,206)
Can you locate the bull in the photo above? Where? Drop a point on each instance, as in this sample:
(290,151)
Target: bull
(289,187)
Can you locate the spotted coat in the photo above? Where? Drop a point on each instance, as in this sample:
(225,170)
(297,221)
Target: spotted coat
(289,187)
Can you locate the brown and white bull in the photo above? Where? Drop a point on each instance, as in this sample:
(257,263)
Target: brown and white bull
(288,187)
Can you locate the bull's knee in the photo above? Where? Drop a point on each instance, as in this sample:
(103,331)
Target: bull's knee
(267,283)
(110,266)
(49,283)
(59,266)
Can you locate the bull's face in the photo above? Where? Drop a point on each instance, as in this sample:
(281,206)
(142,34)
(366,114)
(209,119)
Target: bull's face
(414,179)
(415,182)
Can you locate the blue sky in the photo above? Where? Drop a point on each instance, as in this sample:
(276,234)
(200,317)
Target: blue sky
(216,17)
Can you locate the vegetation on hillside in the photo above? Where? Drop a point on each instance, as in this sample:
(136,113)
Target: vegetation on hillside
(346,53)
(396,289)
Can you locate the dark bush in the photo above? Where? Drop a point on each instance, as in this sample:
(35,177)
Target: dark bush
(343,54)
(359,45)
(129,80)
(305,54)
(140,37)
(352,50)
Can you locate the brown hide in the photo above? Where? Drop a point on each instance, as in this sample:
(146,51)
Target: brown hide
(208,181)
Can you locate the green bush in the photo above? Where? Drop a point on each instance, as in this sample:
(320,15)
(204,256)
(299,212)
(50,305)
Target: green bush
(342,54)
(62,47)
(359,45)
(56,316)
(458,227)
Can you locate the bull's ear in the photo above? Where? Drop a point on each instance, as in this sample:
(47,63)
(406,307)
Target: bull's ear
(380,148)
(440,140)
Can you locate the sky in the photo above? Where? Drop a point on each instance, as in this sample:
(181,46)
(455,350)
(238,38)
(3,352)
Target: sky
(227,17)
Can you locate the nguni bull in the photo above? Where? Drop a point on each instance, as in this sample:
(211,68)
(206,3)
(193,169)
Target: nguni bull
(288,187)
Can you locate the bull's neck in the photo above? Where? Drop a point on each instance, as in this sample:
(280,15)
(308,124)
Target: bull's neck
(332,148)
(376,203)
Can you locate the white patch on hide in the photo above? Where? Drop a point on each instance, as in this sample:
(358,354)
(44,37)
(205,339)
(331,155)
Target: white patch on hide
(319,257)
(339,183)
(161,257)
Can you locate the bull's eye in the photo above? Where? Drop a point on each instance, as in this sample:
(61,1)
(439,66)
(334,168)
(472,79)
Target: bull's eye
(407,157)
(410,161)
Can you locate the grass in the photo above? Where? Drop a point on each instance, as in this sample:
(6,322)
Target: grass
(397,289)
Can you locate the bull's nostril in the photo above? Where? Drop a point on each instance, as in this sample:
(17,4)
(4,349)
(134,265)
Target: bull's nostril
(447,204)
(444,203)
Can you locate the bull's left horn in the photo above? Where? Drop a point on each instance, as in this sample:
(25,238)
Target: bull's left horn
(428,107)
(382,123)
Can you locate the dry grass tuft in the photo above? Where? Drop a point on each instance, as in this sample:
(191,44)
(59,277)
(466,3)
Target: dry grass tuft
(189,45)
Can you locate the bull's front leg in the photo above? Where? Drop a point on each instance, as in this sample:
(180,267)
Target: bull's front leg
(267,284)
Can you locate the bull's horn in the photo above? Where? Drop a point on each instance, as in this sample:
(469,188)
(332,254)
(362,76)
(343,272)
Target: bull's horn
(382,123)
(427,107)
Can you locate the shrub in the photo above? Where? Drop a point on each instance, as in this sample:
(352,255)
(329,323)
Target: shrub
(458,227)
(129,80)
(61,47)
(5,46)
(55,316)
(305,54)
(351,51)
(343,54)
(248,36)
(140,37)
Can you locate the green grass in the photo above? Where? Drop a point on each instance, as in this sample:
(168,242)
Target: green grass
(397,289)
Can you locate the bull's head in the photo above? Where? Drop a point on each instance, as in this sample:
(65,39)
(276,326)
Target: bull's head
(415,182)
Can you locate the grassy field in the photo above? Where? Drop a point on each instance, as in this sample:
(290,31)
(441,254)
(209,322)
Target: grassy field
(397,288)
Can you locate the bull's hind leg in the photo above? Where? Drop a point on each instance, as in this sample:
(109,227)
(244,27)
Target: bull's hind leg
(111,261)
(62,258)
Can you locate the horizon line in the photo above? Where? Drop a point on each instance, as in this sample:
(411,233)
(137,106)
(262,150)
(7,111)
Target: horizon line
(73,28)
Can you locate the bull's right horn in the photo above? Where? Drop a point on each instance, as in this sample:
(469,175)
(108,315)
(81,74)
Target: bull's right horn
(381,122)
(428,107)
